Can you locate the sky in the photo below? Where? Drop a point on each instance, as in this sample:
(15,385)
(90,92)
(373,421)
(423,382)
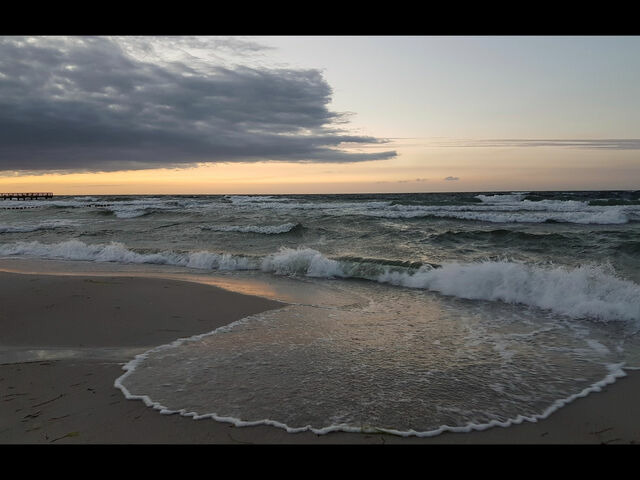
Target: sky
(328,114)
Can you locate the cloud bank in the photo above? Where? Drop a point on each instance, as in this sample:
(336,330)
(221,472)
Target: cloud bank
(88,104)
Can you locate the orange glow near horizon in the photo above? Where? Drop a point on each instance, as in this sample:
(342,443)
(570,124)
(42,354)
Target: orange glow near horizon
(416,169)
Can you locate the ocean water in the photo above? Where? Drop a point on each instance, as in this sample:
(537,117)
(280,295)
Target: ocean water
(405,313)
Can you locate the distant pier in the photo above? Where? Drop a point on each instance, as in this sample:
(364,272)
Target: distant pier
(26,196)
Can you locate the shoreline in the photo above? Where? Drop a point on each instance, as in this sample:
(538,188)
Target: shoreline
(75,339)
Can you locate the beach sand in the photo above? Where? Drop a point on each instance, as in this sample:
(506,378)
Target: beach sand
(64,340)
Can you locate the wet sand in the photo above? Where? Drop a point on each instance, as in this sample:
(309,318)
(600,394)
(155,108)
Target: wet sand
(64,340)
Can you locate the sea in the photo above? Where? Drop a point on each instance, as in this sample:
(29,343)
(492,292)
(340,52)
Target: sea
(411,314)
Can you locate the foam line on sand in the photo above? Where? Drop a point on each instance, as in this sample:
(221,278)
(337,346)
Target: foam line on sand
(72,399)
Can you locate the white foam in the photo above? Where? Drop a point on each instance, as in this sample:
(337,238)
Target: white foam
(149,402)
(241,199)
(124,212)
(597,346)
(506,208)
(601,217)
(265,229)
(502,198)
(615,371)
(86,199)
(139,207)
(304,261)
(521,212)
(213,261)
(118,252)
(587,291)
(287,204)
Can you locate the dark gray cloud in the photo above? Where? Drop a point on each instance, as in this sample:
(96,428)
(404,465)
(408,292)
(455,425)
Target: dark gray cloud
(84,104)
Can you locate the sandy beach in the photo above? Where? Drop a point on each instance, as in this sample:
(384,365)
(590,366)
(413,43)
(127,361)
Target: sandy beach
(64,340)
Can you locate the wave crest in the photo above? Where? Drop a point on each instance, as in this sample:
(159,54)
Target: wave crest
(593,291)
(264,229)
(585,291)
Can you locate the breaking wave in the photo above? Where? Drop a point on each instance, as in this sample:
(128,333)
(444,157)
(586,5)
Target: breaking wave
(523,212)
(586,291)
(265,229)
(119,253)
(507,208)
(605,217)
(130,213)
(590,291)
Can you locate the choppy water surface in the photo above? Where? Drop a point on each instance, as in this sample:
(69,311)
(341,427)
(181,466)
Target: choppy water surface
(412,313)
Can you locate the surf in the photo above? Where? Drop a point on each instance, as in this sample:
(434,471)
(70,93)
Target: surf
(587,291)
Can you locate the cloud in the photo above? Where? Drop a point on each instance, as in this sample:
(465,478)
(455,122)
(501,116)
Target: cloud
(452,179)
(412,180)
(96,104)
(601,143)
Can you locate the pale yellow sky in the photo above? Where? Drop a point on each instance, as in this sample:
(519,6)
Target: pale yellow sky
(418,168)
